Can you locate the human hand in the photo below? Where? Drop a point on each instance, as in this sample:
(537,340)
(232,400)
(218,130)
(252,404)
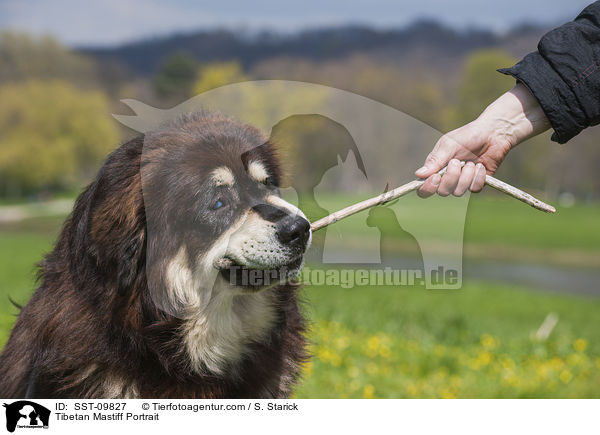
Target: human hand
(482,143)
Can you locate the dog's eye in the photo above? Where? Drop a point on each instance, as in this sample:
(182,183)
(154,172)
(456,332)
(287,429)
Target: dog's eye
(270,181)
(218,204)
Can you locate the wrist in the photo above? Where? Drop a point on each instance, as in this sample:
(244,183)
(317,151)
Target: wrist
(514,117)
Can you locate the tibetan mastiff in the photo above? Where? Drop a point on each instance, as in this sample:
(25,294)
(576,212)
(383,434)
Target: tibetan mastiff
(171,278)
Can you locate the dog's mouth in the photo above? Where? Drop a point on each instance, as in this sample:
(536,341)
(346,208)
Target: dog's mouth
(255,279)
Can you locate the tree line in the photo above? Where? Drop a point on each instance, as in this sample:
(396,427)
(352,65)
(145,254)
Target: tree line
(56,128)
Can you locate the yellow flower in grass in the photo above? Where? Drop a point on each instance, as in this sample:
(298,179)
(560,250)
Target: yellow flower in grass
(307,368)
(411,389)
(372,368)
(371,353)
(439,350)
(455,381)
(565,376)
(385,352)
(353,372)
(580,345)
(342,343)
(488,341)
(507,375)
(447,394)
(513,381)
(474,364)
(484,358)
(574,359)
(324,354)
(508,363)
(441,373)
(335,360)
(543,371)
(373,342)
(327,356)
(369,391)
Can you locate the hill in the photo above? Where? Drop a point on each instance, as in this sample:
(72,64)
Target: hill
(145,57)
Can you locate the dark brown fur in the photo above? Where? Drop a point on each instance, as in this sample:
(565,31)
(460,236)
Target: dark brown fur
(92,323)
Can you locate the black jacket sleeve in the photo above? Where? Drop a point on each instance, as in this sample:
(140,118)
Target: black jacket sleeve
(564,74)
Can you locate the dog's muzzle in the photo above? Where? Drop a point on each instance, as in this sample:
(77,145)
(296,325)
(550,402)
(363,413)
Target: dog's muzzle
(294,232)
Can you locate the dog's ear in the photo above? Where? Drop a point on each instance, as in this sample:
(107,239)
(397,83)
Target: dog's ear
(117,221)
(266,154)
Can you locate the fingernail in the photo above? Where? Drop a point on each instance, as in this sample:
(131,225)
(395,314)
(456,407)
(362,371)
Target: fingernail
(470,164)
(421,171)
(454,162)
(435,180)
(479,167)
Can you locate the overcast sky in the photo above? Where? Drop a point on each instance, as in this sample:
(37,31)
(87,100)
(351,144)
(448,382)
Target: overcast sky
(109,22)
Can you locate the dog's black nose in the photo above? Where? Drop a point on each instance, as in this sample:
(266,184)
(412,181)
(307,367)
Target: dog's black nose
(294,231)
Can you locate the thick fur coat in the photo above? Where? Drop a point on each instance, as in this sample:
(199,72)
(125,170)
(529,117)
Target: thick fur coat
(95,329)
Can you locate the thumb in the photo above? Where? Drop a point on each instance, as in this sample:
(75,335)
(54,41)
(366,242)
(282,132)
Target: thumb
(442,153)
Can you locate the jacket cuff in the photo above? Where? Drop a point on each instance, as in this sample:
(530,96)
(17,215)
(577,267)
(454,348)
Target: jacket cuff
(553,95)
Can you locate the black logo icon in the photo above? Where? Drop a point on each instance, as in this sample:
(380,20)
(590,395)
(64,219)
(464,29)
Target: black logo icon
(26,414)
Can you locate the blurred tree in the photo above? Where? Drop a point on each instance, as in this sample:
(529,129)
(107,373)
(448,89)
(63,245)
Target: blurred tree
(214,75)
(412,89)
(23,57)
(175,79)
(481,83)
(52,136)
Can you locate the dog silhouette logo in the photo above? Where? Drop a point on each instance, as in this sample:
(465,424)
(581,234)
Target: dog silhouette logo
(26,414)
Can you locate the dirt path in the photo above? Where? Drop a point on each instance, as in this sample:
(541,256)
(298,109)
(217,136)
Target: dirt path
(17,213)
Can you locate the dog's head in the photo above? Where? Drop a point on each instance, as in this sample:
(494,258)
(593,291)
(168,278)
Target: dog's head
(214,217)
(211,186)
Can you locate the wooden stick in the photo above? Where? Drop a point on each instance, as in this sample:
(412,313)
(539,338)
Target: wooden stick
(414,185)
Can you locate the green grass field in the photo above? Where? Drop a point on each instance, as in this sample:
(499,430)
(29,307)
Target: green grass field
(409,342)
(475,342)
